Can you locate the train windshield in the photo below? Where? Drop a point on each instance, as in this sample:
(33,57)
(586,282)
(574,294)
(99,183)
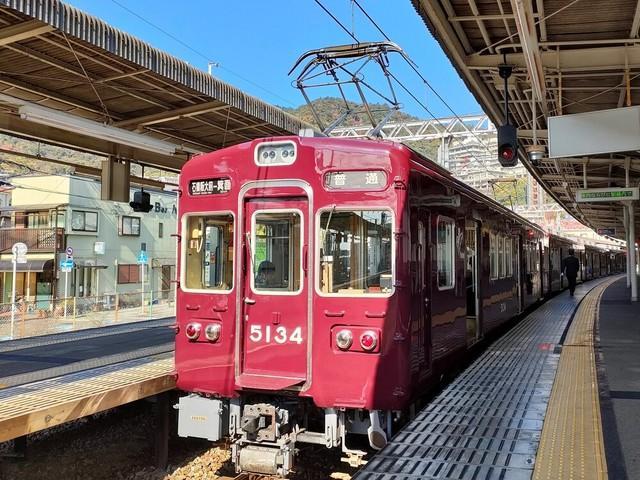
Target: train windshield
(276,249)
(355,252)
(209,252)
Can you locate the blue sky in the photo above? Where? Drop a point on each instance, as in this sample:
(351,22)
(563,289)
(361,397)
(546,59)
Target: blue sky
(256,42)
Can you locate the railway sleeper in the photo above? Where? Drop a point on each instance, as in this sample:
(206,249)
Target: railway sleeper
(264,431)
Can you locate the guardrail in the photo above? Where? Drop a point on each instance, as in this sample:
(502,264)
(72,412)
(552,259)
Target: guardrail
(43,317)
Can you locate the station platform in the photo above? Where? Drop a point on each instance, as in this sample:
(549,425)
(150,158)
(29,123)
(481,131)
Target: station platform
(545,401)
(49,380)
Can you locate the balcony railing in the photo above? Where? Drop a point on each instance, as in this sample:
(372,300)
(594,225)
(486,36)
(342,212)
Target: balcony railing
(36,239)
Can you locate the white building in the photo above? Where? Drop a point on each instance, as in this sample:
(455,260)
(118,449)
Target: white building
(51,213)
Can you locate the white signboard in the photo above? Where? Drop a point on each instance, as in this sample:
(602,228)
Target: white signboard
(618,194)
(591,133)
(19,252)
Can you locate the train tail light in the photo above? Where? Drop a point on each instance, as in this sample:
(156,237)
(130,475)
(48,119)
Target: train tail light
(193,331)
(212,332)
(369,340)
(344,339)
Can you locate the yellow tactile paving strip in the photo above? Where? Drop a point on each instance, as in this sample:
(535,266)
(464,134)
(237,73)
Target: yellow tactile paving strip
(571,446)
(58,402)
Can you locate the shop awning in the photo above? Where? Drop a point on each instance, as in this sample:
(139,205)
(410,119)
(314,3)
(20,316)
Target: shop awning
(89,264)
(30,266)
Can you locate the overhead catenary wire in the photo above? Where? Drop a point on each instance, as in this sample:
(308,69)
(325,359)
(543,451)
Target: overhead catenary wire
(412,65)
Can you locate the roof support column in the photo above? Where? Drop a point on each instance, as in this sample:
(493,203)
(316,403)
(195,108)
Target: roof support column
(625,222)
(631,249)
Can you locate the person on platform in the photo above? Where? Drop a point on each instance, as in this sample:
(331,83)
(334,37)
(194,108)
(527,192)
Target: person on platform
(570,268)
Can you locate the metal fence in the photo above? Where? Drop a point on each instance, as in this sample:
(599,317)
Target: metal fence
(42,317)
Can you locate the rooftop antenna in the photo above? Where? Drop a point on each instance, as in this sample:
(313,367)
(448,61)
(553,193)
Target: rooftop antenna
(344,66)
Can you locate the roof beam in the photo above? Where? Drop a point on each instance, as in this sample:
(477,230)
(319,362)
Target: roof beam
(175,114)
(577,59)
(635,25)
(529,40)
(23,31)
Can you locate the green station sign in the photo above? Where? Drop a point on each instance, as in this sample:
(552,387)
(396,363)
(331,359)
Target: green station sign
(607,194)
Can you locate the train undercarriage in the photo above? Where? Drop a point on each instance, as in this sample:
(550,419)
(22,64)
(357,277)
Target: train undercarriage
(265,431)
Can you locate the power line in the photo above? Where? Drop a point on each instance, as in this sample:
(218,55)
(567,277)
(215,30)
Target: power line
(406,89)
(199,53)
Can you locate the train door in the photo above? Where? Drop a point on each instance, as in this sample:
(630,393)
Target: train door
(275,298)
(420,294)
(471,280)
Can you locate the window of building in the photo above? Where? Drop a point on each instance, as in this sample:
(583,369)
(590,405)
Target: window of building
(160,230)
(82,221)
(128,273)
(355,252)
(129,226)
(209,252)
(446,253)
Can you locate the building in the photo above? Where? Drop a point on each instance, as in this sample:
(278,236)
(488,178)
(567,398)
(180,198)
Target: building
(53,214)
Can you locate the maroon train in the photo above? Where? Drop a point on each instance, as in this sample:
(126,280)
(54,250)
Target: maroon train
(325,283)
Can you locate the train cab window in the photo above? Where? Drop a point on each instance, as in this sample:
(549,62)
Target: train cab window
(446,253)
(209,252)
(355,252)
(276,245)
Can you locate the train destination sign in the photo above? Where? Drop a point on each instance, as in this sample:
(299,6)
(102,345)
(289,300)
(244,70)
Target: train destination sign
(356,180)
(209,186)
(607,194)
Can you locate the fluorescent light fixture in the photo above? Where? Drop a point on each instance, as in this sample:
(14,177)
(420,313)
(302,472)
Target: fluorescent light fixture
(83,126)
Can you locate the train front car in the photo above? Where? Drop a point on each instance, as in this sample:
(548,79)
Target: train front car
(288,310)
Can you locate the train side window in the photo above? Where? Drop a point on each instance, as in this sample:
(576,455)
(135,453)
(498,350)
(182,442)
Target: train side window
(446,253)
(356,256)
(208,261)
(508,254)
(493,256)
(500,239)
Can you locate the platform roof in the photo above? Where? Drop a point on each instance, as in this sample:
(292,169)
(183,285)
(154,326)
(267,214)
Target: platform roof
(59,57)
(577,55)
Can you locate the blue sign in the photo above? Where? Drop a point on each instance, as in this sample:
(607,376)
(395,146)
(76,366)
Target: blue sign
(66,265)
(611,232)
(142,257)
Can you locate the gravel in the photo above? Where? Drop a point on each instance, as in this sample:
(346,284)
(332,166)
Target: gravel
(119,445)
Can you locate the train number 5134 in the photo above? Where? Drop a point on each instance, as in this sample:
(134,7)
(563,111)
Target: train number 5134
(267,334)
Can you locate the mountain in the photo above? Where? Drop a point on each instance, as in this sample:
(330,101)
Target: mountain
(330,108)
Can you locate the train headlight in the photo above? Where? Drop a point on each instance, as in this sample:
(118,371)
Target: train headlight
(275,153)
(344,339)
(193,331)
(212,332)
(369,340)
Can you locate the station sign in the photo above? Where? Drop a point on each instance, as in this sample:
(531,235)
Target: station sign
(617,194)
(209,186)
(610,232)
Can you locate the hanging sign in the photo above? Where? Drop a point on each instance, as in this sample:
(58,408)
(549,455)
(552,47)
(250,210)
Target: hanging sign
(616,194)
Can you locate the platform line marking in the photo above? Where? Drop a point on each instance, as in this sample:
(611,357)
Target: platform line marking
(572,444)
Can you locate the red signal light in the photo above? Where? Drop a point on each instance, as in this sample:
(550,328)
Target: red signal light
(507,153)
